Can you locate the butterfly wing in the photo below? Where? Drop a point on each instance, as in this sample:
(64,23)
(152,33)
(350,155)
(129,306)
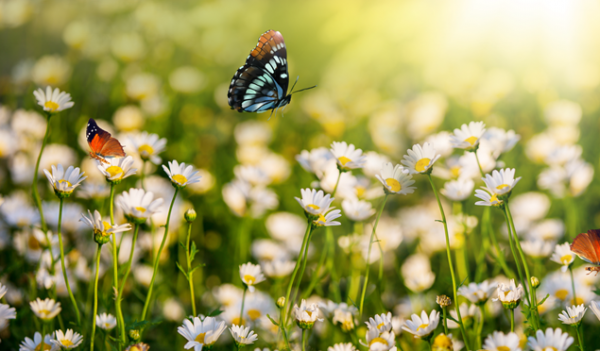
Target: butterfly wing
(101,142)
(587,246)
(262,82)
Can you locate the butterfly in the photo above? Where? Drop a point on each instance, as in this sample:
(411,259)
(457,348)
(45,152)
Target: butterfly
(587,247)
(102,143)
(261,83)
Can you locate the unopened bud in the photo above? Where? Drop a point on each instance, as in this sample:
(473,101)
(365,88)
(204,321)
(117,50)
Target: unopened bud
(134,334)
(443,301)
(281,302)
(535,282)
(442,343)
(190,215)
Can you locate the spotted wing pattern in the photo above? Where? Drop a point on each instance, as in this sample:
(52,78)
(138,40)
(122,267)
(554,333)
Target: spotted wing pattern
(261,83)
(587,246)
(102,143)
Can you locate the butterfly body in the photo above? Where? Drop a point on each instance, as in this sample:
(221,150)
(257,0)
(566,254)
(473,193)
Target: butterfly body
(101,143)
(261,83)
(587,247)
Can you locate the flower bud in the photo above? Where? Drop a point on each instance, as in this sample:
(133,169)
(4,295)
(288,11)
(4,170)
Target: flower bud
(535,282)
(281,302)
(134,334)
(190,215)
(443,301)
(442,343)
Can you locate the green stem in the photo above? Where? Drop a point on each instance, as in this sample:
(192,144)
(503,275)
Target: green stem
(512,320)
(242,310)
(34,188)
(303,339)
(330,248)
(366,282)
(291,283)
(189,267)
(316,275)
(42,346)
(127,271)
(479,164)
(580,336)
(513,249)
(142,174)
(282,328)
(499,254)
(337,182)
(449,253)
(62,262)
(573,285)
(157,258)
(95,297)
(480,326)
(302,269)
(445,321)
(115,254)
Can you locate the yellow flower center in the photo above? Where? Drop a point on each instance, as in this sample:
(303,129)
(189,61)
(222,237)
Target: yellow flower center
(360,191)
(455,171)
(46,347)
(237,321)
(254,314)
(502,348)
(421,165)
(561,294)
(115,171)
(379,340)
(141,209)
(471,140)
(322,220)
(106,325)
(343,160)
(394,185)
(33,243)
(44,312)
(309,313)
(179,179)
(314,207)
(200,338)
(249,279)
(106,225)
(502,186)
(146,150)
(380,325)
(422,326)
(578,301)
(494,198)
(64,181)
(66,342)
(566,259)
(442,342)
(51,105)
(134,348)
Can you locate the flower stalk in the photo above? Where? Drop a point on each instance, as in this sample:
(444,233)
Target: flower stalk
(62,262)
(95,297)
(291,283)
(34,188)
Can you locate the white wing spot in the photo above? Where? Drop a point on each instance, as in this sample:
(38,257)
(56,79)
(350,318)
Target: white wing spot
(283,75)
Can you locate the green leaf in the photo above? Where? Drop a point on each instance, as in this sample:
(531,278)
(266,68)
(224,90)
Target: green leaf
(215,313)
(273,321)
(448,316)
(194,251)
(185,274)
(543,300)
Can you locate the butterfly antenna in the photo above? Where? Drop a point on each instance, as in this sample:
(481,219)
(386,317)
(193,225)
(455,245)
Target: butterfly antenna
(292,90)
(271,114)
(297,91)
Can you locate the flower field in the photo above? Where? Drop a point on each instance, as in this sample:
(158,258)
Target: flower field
(433,186)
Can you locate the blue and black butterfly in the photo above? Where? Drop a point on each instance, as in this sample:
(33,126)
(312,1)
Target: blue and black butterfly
(261,83)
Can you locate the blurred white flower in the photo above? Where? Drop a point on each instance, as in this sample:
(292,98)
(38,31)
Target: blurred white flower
(500,183)
(538,248)
(424,325)
(117,168)
(573,315)
(187,80)
(510,294)
(357,210)
(53,100)
(128,118)
(327,218)
(498,341)
(487,198)
(51,70)
(468,313)
(478,293)
(45,309)
(417,274)
(458,190)
(251,274)
(563,256)
(138,205)
(128,47)
(314,202)
(142,86)
(148,146)
(252,175)
(552,339)
(500,141)
(420,159)
(306,314)
(242,336)
(106,321)
(315,161)
(35,344)
(278,269)
(531,206)
(68,340)
(373,162)
(347,155)
(563,112)
(181,175)
(468,136)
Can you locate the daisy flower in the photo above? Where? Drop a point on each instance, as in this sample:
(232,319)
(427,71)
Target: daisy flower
(509,294)
(500,140)
(306,315)
(106,321)
(242,336)
(315,161)
(379,341)
(347,156)
(53,100)
(314,202)
(68,340)
(420,159)
(572,315)
(552,339)
(488,199)
(251,274)
(45,309)
(468,313)
(498,341)
(148,146)
(102,229)
(326,219)
(538,248)
(394,180)
(278,269)
(357,210)
(201,332)
(117,168)
(422,327)
(344,316)
(502,182)
(443,342)
(468,136)
(342,347)
(381,322)
(478,293)
(140,346)
(138,205)
(181,175)
(458,190)
(7,312)
(35,344)
(64,182)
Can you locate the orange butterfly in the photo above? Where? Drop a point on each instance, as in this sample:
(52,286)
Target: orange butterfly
(587,247)
(102,143)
